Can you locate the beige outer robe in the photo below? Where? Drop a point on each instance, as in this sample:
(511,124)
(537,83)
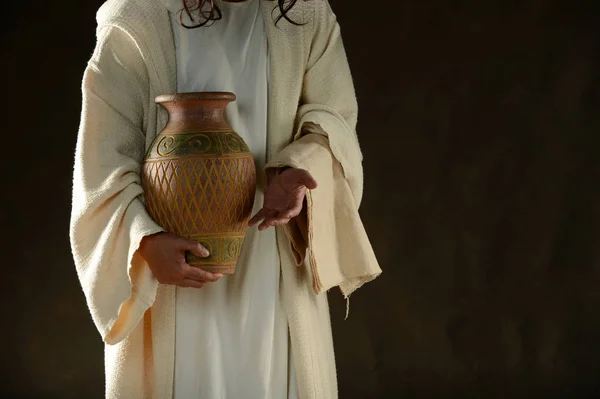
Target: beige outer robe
(311,92)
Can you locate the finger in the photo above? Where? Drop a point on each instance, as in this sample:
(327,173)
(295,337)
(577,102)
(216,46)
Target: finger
(271,222)
(197,274)
(260,215)
(264,214)
(265,224)
(194,247)
(189,283)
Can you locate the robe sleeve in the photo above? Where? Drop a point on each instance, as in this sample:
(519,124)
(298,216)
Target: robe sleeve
(328,102)
(328,107)
(329,233)
(108,218)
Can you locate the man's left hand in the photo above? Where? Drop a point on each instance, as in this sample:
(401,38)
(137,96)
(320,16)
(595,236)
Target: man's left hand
(284,197)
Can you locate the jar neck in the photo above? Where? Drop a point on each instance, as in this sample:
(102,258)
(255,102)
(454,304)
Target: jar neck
(195,116)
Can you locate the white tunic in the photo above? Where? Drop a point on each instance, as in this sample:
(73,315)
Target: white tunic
(232,335)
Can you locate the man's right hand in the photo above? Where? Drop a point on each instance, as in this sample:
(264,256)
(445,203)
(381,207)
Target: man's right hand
(165,254)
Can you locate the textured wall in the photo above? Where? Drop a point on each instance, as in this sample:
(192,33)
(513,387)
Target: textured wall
(480,126)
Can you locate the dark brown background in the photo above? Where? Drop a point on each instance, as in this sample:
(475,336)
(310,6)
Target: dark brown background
(480,127)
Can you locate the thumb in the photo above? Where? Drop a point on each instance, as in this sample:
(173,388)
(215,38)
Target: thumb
(307,180)
(195,248)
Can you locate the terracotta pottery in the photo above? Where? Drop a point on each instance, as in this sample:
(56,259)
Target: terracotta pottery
(199,178)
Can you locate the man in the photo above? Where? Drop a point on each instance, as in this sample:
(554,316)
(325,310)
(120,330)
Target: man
(132,271)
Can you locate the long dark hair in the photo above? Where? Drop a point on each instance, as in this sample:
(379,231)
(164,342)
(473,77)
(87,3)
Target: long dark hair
(207,12)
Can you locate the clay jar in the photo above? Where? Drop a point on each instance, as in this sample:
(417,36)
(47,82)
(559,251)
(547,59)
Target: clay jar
(199,178)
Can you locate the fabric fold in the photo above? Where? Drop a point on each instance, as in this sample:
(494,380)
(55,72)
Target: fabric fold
(108,218)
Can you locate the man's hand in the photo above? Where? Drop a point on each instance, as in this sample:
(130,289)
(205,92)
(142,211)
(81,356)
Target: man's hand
(284,197)
(165,254)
